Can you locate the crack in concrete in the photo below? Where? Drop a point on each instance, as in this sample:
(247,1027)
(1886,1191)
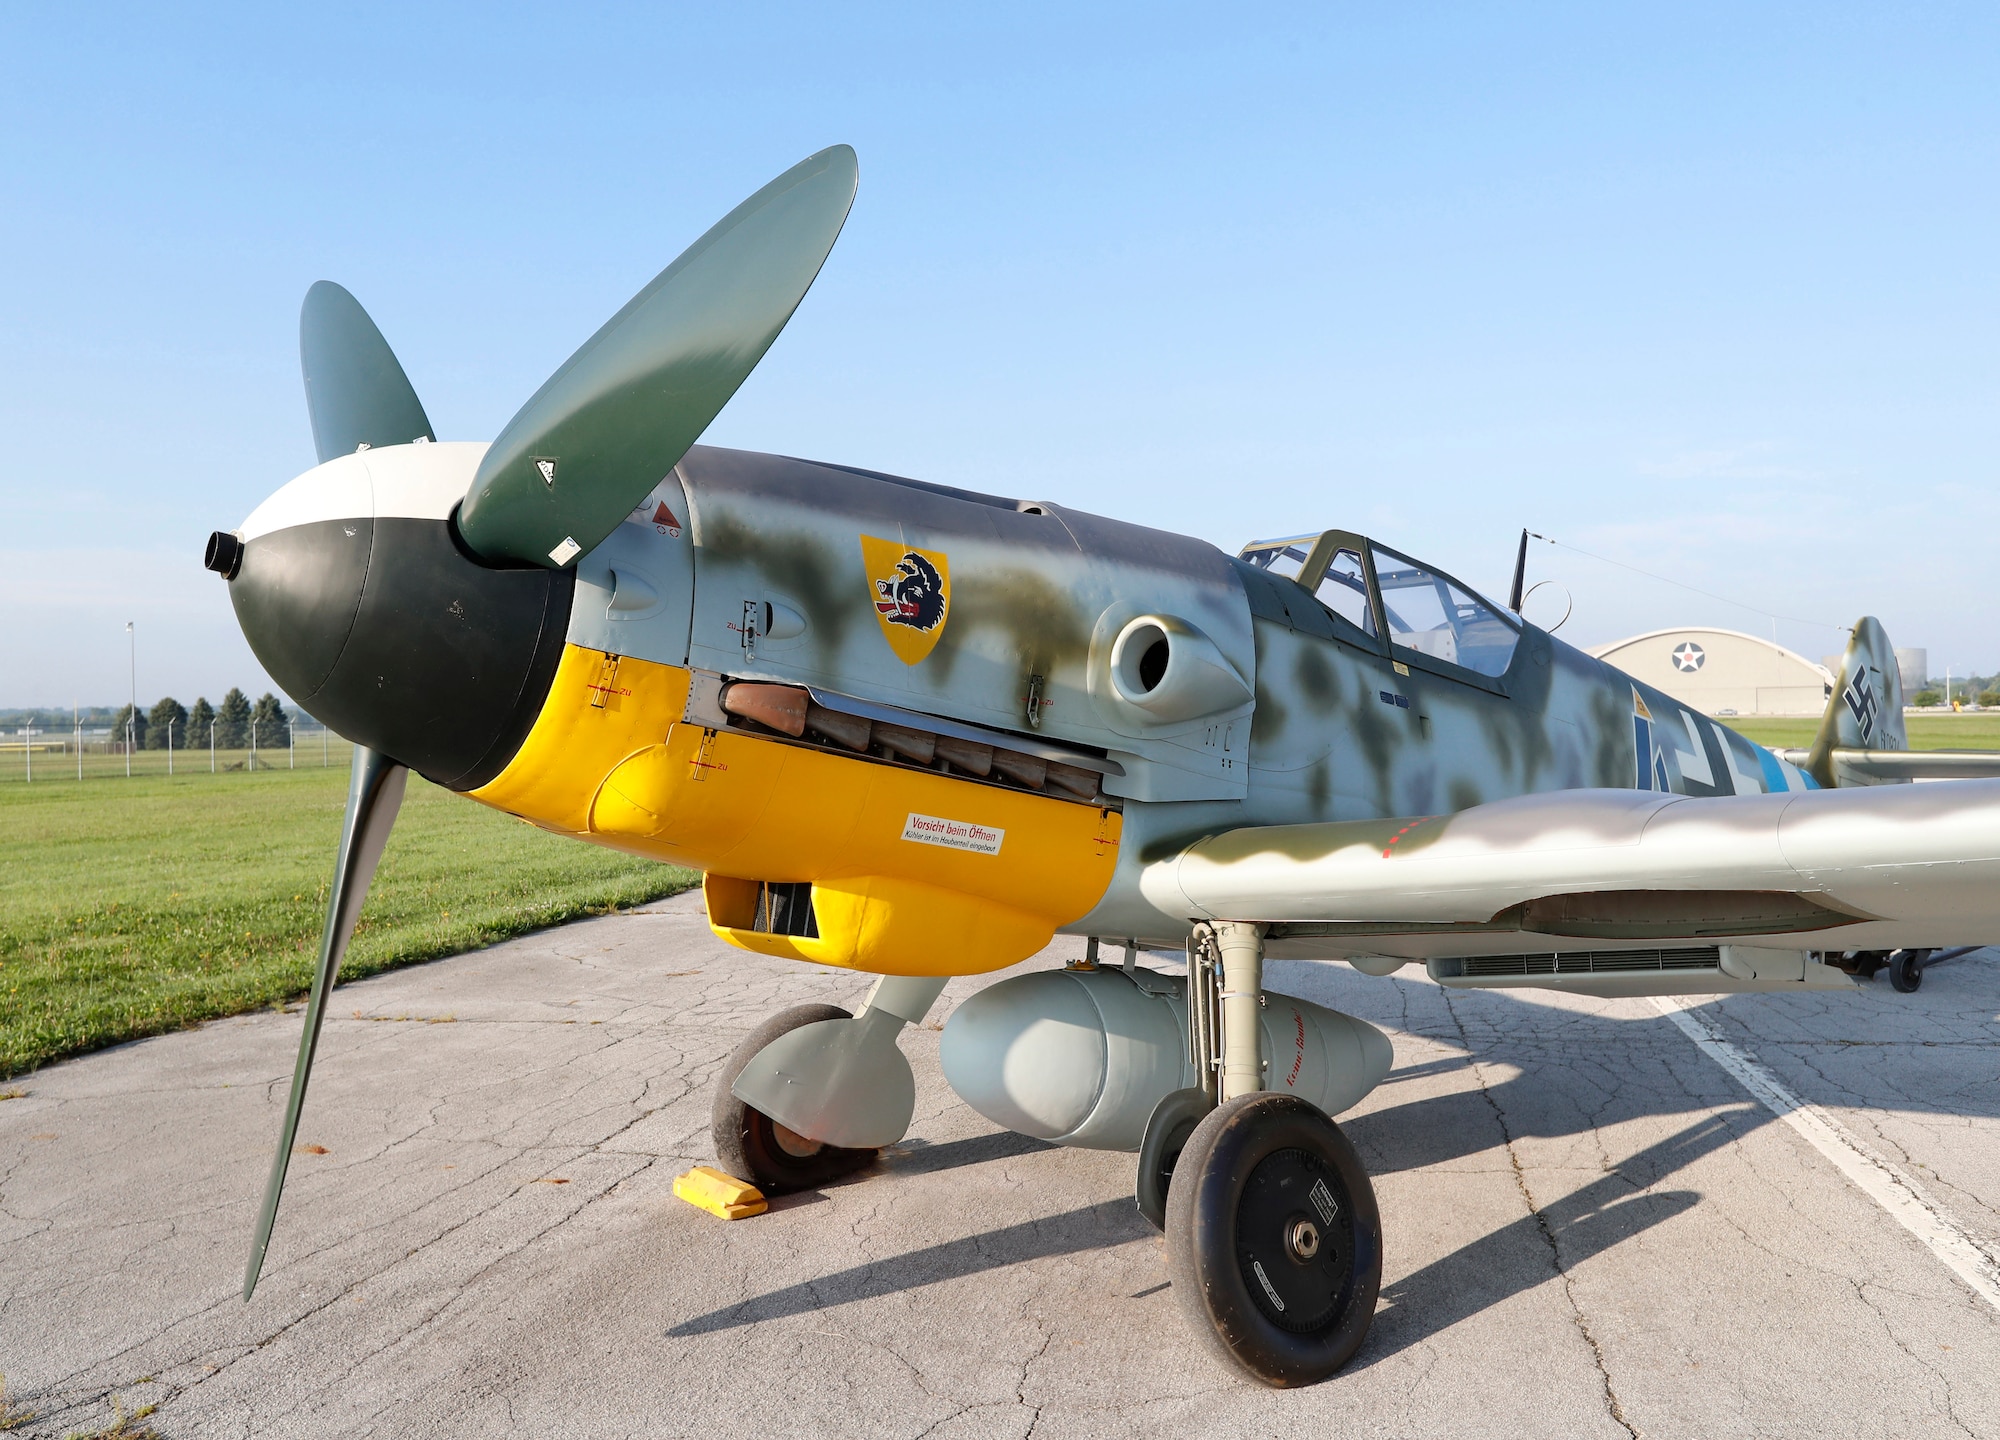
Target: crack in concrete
(1613,1405)
(1861,1289)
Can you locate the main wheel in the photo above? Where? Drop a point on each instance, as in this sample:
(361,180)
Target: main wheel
(752,1146)
(1274,1244)
(1906,970)
(1174,1119)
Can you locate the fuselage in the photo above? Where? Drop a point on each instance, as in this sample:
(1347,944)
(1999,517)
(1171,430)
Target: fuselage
(913,729)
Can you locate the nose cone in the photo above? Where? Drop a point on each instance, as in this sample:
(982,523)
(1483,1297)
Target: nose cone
(354,594)
(301,565)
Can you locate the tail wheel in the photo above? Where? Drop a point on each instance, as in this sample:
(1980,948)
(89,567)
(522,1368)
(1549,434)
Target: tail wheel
(1274,1243)
(752,1146)
(1906,970)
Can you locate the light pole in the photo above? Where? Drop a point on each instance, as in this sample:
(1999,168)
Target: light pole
(253,745)
(28,748)
(211,747)
(170,745)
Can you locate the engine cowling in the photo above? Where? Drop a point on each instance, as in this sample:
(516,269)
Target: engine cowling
(1081,1057)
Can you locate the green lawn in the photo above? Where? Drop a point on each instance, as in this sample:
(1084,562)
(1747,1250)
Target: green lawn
(1980,731)
(130,907)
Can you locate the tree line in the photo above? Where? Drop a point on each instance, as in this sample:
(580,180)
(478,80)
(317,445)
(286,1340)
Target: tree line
(190,727)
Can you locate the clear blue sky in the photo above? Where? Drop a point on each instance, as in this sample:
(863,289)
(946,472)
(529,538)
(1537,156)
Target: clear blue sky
(1711,290)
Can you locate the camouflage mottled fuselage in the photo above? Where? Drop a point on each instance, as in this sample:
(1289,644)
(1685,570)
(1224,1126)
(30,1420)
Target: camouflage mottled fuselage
(1339,728)
(1331,740)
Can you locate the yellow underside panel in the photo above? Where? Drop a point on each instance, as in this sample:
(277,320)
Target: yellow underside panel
(599,711)
(913,873)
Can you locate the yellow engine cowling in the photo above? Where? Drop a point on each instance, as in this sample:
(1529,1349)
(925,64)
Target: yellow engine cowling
(912,873)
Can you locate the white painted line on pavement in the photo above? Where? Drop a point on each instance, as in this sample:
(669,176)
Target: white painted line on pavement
(1905,1200)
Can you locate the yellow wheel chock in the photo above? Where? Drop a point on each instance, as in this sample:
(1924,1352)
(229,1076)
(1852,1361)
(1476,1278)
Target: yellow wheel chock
(707,1188)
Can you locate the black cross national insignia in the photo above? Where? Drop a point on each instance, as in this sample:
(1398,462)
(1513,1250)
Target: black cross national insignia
(1860,698)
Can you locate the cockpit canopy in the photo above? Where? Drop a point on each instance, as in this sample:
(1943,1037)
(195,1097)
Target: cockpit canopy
(1429,618)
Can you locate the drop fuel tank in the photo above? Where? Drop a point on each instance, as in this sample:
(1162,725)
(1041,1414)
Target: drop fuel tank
(1081,1057)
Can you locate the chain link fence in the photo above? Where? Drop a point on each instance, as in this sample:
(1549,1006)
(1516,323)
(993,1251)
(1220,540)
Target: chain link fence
(30,755)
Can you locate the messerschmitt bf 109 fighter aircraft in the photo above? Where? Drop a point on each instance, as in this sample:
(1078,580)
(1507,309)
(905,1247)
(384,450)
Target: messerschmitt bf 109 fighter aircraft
(916,731)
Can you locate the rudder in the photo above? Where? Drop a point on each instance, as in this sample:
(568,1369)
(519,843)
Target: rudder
(1865,711)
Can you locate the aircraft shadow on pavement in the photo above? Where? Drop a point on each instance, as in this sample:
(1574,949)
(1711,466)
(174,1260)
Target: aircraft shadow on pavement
(916,1158)
(1095,1227)
(1541,1245)
(1490,1270)
(1574,1075)
(1570,1072)
(1620,1081)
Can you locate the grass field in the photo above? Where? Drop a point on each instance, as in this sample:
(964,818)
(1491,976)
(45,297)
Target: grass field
(131,907)
(1980,731)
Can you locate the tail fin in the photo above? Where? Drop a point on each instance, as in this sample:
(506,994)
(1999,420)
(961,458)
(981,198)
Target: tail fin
(1865,711)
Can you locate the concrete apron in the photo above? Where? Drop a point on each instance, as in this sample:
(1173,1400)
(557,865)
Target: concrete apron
(1592,1227)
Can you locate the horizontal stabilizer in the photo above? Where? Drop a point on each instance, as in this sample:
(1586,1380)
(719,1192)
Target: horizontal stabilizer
(1876,766)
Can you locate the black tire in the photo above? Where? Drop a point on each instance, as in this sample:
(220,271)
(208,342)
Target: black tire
(1174,1119)
(752,1146)
(1906,970)
(1260,1270)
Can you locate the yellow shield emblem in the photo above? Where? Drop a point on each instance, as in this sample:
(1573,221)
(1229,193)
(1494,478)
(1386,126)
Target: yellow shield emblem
(911,592)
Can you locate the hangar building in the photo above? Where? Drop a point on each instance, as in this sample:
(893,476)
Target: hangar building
(1723,672)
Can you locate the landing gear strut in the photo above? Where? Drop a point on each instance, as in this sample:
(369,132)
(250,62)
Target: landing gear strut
(1861,964)
(1274,1242)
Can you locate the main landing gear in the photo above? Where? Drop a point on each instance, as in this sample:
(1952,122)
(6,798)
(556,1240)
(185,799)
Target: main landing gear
(813,1094)
(752,1146)
(1274,1242)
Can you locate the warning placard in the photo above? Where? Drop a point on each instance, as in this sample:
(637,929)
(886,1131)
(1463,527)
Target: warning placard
(953,834)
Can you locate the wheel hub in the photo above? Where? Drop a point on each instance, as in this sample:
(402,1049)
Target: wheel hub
(793,1143)
(1293,1240)
(1302,1240)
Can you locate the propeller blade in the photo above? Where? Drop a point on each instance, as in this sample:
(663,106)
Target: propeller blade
(620,413)
(374,794)
(356,390)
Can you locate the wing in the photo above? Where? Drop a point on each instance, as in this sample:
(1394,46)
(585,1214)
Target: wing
(1616,891)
